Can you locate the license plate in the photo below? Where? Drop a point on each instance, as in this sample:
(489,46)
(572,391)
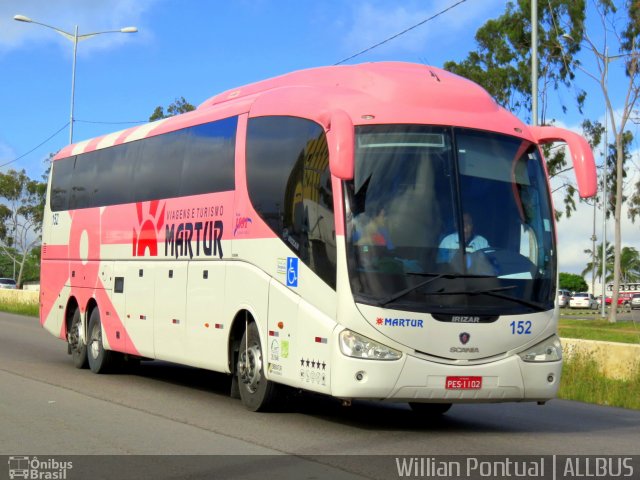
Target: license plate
(463,383)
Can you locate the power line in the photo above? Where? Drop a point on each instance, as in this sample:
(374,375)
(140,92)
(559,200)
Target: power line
(401,33)
(61,129)
(37,146)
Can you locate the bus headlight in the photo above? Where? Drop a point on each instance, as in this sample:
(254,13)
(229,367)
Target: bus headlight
(549,350)
(358,346)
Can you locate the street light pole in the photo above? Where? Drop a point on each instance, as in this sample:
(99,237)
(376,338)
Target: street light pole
(75,38)
(603,311)
(73,84)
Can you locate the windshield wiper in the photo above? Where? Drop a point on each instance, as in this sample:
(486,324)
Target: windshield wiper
(395,296)
(434,276)
(493,292)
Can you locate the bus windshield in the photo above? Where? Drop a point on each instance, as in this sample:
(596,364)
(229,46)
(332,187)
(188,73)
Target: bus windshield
(449,220)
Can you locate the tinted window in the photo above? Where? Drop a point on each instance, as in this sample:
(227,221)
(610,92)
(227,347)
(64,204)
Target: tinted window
(190,161)
(115,170)
(83,181)
(61,183)
(209,158)
(290,187)
(157,172)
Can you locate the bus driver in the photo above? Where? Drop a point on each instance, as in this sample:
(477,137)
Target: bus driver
(450,244)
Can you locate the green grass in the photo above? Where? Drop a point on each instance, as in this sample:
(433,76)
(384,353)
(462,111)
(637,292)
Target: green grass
(29,309)
(624,332)
(582,381)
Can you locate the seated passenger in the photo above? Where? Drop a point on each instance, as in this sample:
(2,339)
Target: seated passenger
(373,230)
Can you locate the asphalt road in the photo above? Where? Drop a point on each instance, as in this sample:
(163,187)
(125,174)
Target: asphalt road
(47,407)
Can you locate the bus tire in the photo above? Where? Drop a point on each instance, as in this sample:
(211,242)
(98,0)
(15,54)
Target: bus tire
(256,392)
(100,360)
(77,347)
(430,409)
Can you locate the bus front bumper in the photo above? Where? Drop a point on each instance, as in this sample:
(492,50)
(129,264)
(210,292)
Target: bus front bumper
(418,380)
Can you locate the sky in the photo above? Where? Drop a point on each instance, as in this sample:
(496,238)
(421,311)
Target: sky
(198,48)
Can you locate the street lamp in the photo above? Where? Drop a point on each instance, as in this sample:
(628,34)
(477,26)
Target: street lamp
(75,38)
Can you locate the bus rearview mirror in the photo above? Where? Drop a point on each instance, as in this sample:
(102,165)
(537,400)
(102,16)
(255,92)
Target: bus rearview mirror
(581,155)
(340,138)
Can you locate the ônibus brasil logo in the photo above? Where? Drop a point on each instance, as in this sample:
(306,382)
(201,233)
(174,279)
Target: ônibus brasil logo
(185,239)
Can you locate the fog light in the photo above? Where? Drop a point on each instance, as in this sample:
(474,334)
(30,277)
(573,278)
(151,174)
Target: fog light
(360,376)
(550,378)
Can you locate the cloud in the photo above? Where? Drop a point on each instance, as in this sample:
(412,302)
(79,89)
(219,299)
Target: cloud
(574,234)
(374,22)
(90,16)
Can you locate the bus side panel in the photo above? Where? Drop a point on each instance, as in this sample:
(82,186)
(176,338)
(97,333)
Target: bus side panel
(247,288)
(283,352)
(315,345)
(207,329)
(54,271)
(54,295)
(169,322)
(139,294)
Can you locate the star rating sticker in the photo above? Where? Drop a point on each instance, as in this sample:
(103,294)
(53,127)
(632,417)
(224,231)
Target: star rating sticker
(302,362)
(308,362)
(313,363)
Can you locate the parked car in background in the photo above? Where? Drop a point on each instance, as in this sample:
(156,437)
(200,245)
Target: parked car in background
(609,300)
(583,300)
(8,283)
(563,298)
(624,298)
(635,301)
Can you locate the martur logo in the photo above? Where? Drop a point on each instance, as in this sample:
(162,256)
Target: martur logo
(150,224)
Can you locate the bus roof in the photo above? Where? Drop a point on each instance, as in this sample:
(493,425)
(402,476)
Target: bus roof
(370,93)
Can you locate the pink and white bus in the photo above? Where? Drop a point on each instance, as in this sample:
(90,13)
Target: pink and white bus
(379,231)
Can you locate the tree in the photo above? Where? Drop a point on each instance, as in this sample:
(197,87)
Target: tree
(502,65)
(572,282)
(180,105)
(630,265)
(626,32)
(20,216)
(597,258)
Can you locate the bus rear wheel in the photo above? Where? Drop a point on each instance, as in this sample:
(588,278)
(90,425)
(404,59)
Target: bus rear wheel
(256,392)
(77,347)
(100,360)
(430,409)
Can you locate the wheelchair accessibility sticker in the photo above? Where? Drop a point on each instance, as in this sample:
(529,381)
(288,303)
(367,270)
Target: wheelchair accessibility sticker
(292,272)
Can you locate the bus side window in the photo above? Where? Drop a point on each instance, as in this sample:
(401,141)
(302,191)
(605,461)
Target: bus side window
(61,183)
(290,187)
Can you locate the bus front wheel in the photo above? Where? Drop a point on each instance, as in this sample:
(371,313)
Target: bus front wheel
(256,392)
(99,359)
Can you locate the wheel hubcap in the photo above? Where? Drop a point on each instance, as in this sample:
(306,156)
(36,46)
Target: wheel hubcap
(95,343)
(250,367)
(74,336)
